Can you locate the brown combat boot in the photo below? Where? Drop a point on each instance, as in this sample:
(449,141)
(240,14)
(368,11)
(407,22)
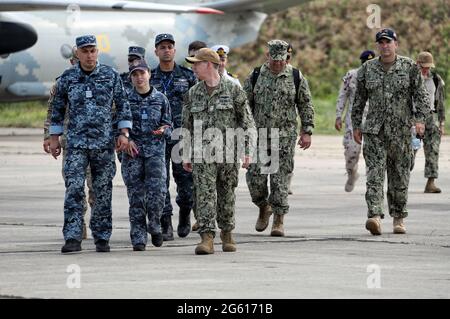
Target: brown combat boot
(431,188)
(196,226)
(84,235)
(207,245)
(228,243)
(277,226)
(263,219)
(399,227)
(373,225)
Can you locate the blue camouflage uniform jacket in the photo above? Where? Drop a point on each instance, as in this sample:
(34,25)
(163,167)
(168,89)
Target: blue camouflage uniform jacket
(149,114)
(90,99)
(174,87)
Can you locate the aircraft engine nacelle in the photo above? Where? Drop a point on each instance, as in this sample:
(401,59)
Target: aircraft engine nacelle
(15,36)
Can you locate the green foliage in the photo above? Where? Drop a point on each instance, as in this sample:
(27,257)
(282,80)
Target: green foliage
(328,36)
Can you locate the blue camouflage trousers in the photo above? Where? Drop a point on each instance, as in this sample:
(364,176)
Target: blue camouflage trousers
(145,178)
(103,169)
(184,182)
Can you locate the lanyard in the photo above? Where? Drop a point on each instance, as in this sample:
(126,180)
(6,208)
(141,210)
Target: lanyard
(166,83)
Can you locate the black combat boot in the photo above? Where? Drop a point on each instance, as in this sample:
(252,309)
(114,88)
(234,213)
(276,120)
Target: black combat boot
(166,226)
(157,239)
(184,222)
(102,246)
(71,246)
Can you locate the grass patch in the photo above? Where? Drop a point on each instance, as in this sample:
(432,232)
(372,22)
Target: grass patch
(32,114)
(23,114)
(325,115)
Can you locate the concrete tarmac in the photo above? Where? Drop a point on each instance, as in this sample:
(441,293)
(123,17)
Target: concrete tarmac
(327,253)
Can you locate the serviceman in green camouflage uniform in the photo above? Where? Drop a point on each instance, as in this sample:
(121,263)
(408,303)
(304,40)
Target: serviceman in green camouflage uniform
(46,146)
(434,125)
(219,105)
(275,102)
(391,83)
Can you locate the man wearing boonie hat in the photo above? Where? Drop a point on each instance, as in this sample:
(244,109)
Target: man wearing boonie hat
(143,163)
(88,92)
(214,103)
(174,81)
(277,92)
(434,125)
(223,51)
(346,95)
(390,83)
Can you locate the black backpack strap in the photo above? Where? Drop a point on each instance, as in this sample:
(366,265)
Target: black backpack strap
(296,74)
(255,76)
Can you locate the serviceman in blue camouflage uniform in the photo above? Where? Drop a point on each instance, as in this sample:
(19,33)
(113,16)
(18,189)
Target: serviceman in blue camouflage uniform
(134,53)
(88,91)
(217,104)
(345,98)
(434,125)
(46,145)
(174,81)
(143,166)
(391,83)
(276,102)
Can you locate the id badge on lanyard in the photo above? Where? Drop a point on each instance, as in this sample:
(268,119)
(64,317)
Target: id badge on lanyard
(88,93)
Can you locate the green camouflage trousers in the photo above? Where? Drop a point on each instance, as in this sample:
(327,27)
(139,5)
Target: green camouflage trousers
(389,151)
(257,182)
(431,142)
(214,195)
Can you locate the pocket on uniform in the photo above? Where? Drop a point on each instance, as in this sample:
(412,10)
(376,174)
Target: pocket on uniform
(401,81)
(197,107)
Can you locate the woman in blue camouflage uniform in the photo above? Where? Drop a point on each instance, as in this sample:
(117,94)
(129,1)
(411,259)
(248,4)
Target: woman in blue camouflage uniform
(143,165)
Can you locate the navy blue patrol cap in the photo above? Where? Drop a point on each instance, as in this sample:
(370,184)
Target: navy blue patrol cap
(138,65)
(386,34)
(366,56)
(137,51)
(86,40)
(164,37)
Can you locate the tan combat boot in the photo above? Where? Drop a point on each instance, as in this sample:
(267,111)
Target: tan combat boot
(431,188)
(263,219)
(228,243)
(195,227)
(207,245)
(84,235)
(277,226)
(373,225)
(352,178)
(399,227)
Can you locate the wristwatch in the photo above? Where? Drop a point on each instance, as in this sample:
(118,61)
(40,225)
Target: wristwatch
(126,134)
